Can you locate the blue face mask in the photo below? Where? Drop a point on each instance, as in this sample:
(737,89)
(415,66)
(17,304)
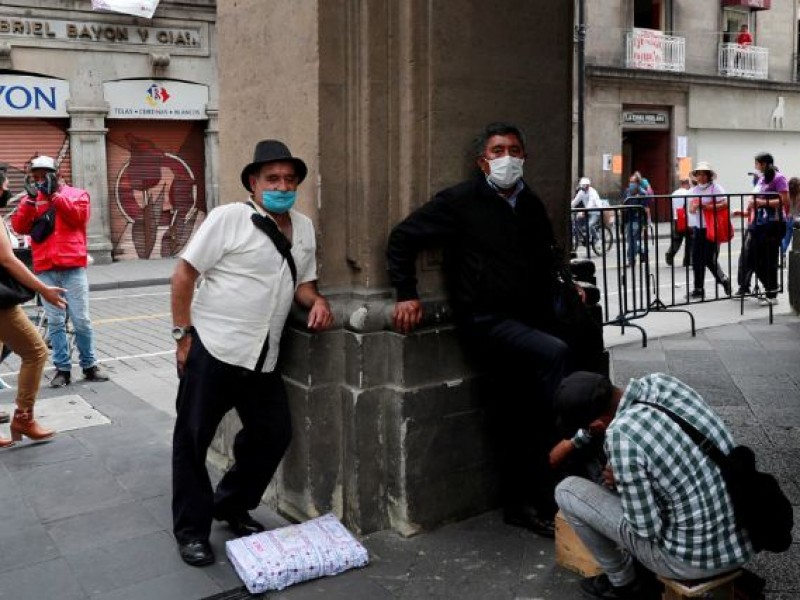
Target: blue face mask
(276,201)
(633,188)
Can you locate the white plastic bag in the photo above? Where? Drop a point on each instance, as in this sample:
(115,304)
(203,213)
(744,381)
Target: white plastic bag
(273,560)
(138,8)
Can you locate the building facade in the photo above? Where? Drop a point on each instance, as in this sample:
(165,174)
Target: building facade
(128,108)
(669,83)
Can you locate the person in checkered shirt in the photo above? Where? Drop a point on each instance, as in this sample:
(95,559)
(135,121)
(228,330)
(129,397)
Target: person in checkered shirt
(663,507)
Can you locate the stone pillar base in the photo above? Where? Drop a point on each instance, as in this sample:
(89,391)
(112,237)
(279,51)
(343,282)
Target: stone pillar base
(388,431)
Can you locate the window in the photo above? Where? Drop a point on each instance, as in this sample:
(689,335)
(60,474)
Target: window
(732,21)
(653,14)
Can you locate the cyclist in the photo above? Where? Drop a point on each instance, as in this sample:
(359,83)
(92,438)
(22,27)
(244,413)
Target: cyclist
(587,197)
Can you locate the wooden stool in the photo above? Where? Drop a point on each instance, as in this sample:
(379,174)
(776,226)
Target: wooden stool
(571,552)
(716,588)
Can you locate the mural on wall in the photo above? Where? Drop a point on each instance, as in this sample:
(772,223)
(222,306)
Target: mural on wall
(157,190)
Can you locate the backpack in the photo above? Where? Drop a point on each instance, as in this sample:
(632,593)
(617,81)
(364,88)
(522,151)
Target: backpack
(759,505)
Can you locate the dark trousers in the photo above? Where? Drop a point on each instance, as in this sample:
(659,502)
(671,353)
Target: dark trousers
(766,250)
(704,256)
(525,365)
(746,268)
(208,389)
(676,240)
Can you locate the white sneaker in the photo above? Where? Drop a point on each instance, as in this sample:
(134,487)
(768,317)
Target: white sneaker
(767,301)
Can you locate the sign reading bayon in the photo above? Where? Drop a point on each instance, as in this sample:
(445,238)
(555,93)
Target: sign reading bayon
(23,96)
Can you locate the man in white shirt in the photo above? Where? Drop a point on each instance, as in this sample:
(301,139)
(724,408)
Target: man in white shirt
(228,332)
(587,197)
(680,203)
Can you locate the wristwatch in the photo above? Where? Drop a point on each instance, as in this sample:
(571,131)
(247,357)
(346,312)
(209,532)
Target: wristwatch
(181,331)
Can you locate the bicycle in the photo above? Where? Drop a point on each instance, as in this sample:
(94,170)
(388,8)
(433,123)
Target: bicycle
(601,235)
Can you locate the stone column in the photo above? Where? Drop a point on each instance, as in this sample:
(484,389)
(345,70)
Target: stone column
(87,139)
(382,99)
(212,158)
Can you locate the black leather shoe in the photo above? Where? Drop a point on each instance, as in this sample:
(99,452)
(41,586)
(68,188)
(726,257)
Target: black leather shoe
(196,553)
(526,517)
(95,373)
(242,524)
(61,379)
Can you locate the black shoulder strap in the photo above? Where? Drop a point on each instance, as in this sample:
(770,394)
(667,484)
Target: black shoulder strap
(283,245)
(706,445)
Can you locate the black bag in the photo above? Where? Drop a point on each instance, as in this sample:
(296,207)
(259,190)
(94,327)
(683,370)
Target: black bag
(760,506)
(12,292)
(43,225)
(575,325)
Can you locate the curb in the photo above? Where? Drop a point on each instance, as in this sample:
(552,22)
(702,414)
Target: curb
(116,285)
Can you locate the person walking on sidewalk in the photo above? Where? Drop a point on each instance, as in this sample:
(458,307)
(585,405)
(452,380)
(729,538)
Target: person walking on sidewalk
(705,253)
(679,206)
(255,258)
(664,502)
(17,331)
(500,266)
(56,215)
(768,228)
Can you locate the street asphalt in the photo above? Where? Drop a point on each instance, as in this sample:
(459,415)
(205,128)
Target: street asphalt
(87,516)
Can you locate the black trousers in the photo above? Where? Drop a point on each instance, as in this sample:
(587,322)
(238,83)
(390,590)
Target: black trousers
(208,389)
(704,256)
(524,367)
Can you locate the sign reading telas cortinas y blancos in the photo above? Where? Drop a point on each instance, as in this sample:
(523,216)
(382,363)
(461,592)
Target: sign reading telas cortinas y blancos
(138,8)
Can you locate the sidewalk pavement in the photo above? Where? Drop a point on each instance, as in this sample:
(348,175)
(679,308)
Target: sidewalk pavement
(87,516)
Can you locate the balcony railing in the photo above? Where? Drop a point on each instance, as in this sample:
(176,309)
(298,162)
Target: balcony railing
(652,49)
(751,62)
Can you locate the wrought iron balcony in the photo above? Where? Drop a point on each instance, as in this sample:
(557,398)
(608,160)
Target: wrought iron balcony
(751,62)
(654,50)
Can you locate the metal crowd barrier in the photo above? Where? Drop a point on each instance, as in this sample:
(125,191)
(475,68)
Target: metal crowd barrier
(631,250)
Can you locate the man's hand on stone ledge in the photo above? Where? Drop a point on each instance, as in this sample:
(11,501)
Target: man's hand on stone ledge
(406,315)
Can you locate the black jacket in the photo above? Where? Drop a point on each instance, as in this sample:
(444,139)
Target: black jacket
(497,260)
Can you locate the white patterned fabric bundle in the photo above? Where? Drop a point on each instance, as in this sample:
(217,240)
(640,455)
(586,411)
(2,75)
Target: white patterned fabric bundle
(273,560)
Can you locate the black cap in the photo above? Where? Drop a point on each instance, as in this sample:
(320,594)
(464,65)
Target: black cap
(268,151)
(580,399)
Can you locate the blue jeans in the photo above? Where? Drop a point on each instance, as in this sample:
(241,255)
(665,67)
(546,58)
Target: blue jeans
(595,513)
(633,231)
(77,295)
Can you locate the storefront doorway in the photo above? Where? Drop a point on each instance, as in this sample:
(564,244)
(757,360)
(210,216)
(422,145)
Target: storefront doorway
(649,153)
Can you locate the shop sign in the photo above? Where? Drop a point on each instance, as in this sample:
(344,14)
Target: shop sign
(655,119)
(155,99)
(99,34)
(23,96)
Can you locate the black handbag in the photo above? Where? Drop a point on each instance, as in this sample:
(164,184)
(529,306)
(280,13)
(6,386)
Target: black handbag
(43,225)
(12,292)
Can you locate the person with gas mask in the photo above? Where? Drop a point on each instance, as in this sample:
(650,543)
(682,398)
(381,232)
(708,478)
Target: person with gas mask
(257,256)
(56,215)
(500,267)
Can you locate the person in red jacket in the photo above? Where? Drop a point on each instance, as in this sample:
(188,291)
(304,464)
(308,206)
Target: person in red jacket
(55,215)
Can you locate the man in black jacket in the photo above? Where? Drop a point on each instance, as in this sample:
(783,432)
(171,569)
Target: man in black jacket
(500,267)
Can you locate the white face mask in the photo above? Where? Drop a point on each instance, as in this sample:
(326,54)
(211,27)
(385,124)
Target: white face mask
(505,171)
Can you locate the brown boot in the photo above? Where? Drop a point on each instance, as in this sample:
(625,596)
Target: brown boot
(24,424)
(5,442)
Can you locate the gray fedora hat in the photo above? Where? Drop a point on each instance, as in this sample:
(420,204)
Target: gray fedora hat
(268,151)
